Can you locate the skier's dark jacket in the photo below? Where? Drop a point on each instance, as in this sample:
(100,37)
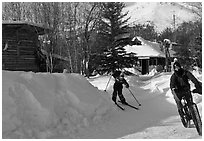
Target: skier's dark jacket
(180,81)
(119,81)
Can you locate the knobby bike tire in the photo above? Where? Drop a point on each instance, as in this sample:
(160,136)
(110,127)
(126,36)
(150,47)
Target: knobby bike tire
(196,118)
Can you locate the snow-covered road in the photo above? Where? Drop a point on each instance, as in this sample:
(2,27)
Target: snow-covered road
(170,128)
(157,117)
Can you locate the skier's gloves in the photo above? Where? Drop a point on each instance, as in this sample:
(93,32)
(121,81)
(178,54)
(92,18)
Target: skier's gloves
(199,91)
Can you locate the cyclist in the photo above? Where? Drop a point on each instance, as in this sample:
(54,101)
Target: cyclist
(180,86)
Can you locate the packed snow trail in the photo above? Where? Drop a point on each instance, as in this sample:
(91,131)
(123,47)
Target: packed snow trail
(157,117)
(170,128)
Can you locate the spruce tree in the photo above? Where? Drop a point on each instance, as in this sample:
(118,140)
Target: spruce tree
(113,32)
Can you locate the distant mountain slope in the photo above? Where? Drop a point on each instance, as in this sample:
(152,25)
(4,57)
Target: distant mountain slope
(159,13)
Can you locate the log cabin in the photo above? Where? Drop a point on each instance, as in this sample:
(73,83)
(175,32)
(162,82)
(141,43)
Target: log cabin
(20,46)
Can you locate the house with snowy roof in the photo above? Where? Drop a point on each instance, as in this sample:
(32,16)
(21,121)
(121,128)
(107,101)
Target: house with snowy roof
(148,53)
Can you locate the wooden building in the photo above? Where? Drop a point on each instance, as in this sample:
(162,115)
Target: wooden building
(20,45)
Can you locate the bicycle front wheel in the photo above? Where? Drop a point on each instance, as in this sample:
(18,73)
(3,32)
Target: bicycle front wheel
(196,118)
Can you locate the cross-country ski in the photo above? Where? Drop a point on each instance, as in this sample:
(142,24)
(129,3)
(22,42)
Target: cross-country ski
(127,104)
(119,106)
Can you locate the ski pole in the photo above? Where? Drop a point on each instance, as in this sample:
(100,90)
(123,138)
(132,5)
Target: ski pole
(134,97)
(108,83)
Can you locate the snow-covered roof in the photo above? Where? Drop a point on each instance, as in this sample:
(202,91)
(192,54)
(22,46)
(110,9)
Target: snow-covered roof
(147,49)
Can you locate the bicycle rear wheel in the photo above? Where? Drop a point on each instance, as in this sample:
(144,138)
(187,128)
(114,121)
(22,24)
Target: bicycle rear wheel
(196,118)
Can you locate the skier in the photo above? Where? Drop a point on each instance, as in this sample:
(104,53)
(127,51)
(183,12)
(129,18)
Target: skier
(180,86)
(118,86)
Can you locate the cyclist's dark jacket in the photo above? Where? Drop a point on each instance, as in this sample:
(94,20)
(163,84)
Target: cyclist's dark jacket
(180,81)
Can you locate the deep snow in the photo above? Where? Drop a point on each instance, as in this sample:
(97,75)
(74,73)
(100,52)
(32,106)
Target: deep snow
(62,105)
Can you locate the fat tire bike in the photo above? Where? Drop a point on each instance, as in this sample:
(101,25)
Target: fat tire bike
(190,112)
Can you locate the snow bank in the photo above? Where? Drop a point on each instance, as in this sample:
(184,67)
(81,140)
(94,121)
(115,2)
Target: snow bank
(160,83)
(41,105)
